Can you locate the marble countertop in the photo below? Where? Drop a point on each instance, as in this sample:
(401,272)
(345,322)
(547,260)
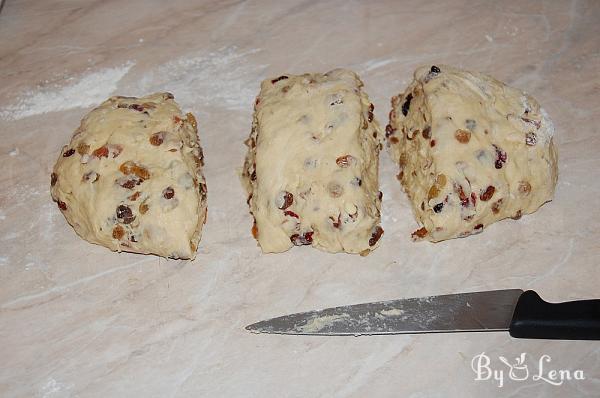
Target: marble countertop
(77,320)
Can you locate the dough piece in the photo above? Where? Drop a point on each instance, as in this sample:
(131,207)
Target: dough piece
(131,178)
(312,164)
(471,151)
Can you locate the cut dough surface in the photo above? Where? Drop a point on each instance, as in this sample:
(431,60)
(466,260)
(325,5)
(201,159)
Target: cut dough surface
(312,164)
(131,178)
(471,151)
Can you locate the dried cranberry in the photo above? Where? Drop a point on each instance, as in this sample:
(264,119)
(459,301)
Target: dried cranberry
(478,226)
(168,193)
(53,179)
(406,105)
(290,214)
(419,233)
(279,79)
(300,240)
(336,223)
(432,143)
(61,205)
(464,199)
(68,153)
(376,235)
(101,152)
(288,199)
(255,230)
(437,208)
(125,214)
(500,157)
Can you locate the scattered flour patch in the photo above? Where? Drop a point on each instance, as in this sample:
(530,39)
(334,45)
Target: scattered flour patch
(318,323)
(374,64)
(73,92)
(14,152)
(54,388)
(222,78)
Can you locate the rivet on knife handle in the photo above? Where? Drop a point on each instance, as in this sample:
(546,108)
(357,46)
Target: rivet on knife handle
(535,318)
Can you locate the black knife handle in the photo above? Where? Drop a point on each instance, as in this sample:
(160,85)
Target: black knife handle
(534,318)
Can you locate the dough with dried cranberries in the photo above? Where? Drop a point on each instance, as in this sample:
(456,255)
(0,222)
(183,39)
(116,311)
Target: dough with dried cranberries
(131,178)
(471,151)
(312,164)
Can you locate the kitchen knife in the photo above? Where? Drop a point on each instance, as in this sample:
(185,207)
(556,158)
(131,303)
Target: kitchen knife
(522,314)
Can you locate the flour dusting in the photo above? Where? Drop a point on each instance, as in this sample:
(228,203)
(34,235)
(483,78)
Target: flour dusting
(222,78)
(83,91)
(318,323)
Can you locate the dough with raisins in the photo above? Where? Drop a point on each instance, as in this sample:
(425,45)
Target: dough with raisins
(312,164)
(471,151)
(131,178)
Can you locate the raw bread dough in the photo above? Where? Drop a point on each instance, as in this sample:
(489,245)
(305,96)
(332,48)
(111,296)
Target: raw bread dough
(312,164)
(471,151)
(131,178)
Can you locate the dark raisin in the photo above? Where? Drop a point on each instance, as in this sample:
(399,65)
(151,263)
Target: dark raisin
(432,143)
(168,193)
(125,214)
(427,132)
(169,96)
(478,226)
(517,215)
(136,107)
(61,205)
(406,105)
(487,194)
(375,236)
(279,79)
(389,130)
(336,223)
(68,153)
(53,179)
(437,208)
(434,69)
(253,176)
(380,195)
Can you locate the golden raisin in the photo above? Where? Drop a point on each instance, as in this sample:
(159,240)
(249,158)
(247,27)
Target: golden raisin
(192,120)
(118,232)
(524,188)
(130,167)
(143,208)
(344,161)
(462,136)
(157,138)
(83,148)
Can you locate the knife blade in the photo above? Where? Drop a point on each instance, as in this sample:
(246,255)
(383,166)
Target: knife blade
(523,314)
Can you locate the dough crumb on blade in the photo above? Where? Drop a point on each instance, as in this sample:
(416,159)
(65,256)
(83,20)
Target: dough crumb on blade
(471,151)
(131,178)
(311,172)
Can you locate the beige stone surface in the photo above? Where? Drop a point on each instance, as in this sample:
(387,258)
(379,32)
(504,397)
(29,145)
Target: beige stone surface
(77,320)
